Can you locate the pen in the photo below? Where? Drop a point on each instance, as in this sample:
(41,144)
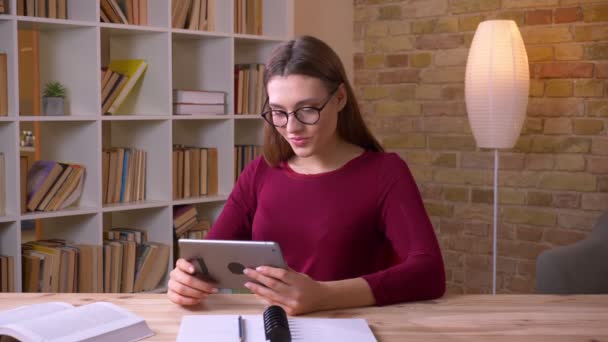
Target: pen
(240,328)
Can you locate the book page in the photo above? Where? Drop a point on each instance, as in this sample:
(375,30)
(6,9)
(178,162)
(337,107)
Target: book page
(82,323)
(31,311)
(217,328)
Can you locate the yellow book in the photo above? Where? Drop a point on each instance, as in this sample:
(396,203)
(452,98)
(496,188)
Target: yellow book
(133,69)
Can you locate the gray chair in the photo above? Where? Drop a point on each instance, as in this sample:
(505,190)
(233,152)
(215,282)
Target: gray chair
(579,268)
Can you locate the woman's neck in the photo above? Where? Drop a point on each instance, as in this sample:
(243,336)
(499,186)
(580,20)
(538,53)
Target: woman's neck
(332,158)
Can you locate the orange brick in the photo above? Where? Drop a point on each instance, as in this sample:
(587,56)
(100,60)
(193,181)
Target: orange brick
(601,70)
(420,60)
(546,35)
(392,108)
(428,92)
(373,61)
(570,162)
(563,70)
(540,53)
(537,88)
(434,42)
(599,146)
(568,52)
(597,108)
(470,23)
(555,107)
(539,17)
(595,202)
(464,143)
(443,74)
(539,162)
(453,92)
(445,124)
(560,144)
(467,6)
(568,15)
(596,13)
(567,200)
(537,198)
(516,16)
(529,3)
(444,108)
(402,92)
(568,181)
(596,51)
(389,12)
(376,29)
(563,237)
(598,165)
(405,141)
(588,88)
(591,32)
(396,60)
(558,126)
(559,88)
(398,76)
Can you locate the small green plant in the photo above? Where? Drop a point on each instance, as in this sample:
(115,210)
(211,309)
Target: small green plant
(54,89)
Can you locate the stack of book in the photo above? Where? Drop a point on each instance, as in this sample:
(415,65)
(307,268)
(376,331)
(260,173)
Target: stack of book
(195,171)
(7,272)
(248,16)
(134,12)
(249,88)
(192,102)
(187,223)
(131,263)
(117,81)
(2,185)
(53,186)
(56,9)
(3,84)
(193,14)
(123,175)
(243,155)
(59,266)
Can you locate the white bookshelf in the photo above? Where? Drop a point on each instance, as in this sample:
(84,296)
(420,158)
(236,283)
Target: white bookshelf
(72,52)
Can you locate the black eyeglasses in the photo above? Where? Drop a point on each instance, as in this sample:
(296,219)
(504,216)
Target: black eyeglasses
(307,115)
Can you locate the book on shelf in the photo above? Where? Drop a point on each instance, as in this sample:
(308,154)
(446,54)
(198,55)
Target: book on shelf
(123,175)
(189,96)
(198,109)
(60,321)
(243,155)
(132,264)
(4,7)
(3,84)
(248,16)
(272,325)
(7,272)
(57,265)
(187,223)
(195,171)
(53,9)
(193,14)
(249,88)
(132,70)
(53,186)
(2,185)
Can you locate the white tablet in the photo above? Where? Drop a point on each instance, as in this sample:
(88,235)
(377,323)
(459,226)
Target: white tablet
(222,261)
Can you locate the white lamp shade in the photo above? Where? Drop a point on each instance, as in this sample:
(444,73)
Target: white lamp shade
(497,83)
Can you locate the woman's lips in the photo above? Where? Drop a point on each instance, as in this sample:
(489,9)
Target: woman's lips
(299,141)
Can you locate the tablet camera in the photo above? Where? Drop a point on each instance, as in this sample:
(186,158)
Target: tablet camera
(236,268)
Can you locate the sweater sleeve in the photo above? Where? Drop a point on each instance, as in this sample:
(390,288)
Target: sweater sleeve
(235,220)
(419,273)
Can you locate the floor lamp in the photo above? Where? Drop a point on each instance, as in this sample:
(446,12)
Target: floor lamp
(497,82)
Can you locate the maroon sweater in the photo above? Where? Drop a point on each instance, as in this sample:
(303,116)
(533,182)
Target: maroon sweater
(365,219)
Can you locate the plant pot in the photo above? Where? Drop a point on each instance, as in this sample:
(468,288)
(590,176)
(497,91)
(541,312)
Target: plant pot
(53,106)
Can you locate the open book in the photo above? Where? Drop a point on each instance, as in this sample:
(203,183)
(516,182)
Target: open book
(255,328)
(62,322)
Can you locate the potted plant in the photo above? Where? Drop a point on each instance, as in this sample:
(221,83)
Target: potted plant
(53,99)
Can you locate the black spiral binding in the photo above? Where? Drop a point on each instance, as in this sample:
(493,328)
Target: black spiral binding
(276,325)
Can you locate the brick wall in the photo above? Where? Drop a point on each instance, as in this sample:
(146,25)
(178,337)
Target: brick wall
(409,73)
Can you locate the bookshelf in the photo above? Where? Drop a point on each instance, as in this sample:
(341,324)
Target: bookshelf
(72,51)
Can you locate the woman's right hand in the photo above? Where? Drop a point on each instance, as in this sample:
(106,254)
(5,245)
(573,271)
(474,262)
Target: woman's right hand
(186,289)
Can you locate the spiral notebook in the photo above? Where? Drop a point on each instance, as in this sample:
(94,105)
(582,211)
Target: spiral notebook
(260,328)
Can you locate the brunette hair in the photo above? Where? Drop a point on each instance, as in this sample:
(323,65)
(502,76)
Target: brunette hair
(312,57)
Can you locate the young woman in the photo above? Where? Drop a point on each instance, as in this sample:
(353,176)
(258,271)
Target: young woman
(348,216)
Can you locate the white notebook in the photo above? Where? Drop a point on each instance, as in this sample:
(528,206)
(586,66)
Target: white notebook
(225,328)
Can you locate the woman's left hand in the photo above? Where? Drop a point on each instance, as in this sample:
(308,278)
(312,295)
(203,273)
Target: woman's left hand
(295,292)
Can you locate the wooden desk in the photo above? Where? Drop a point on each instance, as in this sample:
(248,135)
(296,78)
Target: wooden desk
(452,318)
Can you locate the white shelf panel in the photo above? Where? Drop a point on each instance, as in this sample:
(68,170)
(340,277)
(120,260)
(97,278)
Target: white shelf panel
(241,37)
(7,119)
(8,218)
(61,213)
(84,228)
(63,118)
(27,149)
(248,117)
(7,17)
(202,117)
(134,117)
(107,208)
(195,34)
(48,24)
(125,29)
(202,199)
